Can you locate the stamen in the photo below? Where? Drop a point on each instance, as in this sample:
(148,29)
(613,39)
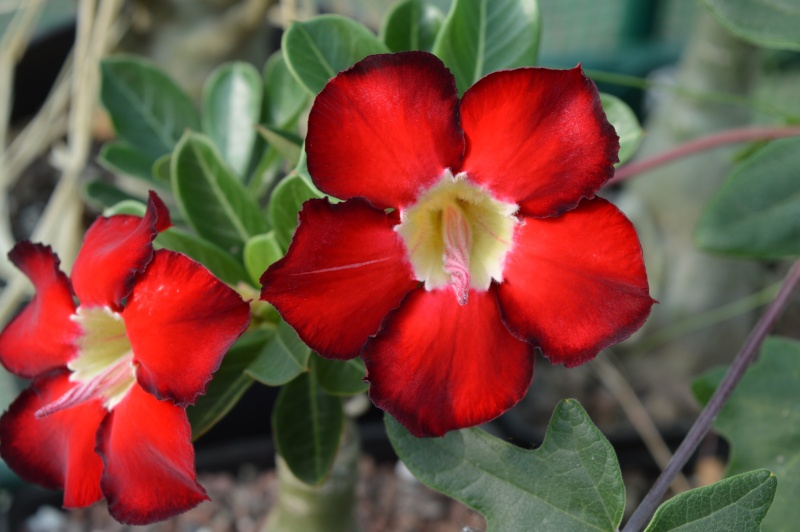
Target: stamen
(457,237)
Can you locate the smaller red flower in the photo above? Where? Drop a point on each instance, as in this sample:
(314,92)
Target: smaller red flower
(470,234)
(105,415)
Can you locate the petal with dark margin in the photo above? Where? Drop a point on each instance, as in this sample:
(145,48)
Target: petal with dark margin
(56,451)
(575,284)
(438,366)
(114,250)
(181,320)
(42,337)
(149,460)
(345,270)
(385,129)
(538,138)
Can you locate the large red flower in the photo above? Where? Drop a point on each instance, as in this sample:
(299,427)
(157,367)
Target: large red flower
(470,234)
(105,415)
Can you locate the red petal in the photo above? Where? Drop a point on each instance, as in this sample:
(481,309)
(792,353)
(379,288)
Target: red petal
(538,138)
(438,366)
(575,284)
(181,320)
(147,449)
(385,129)
(345,270)
(114,250)
(56,451)
(42,336)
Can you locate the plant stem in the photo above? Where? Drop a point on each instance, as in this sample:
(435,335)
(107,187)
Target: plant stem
(731,136)
(703,423)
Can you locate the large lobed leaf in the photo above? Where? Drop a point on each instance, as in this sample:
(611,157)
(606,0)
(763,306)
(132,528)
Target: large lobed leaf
(756,213)
(481,36)
(572,482)
(761,420)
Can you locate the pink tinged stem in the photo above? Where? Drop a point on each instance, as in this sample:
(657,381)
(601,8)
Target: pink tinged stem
(109,379)
(457,244)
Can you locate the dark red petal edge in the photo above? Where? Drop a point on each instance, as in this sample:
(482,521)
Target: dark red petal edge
(438,366)
(42,336)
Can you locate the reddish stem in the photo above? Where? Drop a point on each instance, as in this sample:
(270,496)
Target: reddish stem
(730,136)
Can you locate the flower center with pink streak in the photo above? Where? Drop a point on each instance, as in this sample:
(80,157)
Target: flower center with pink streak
(457,235)
(104,366)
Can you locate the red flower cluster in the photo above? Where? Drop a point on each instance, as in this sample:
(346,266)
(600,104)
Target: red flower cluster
(470,233)
(105,415)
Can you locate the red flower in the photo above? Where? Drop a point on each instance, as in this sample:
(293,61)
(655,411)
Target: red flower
(493,211)
(105,415)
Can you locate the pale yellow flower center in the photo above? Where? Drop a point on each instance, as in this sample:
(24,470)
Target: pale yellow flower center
(104,366)
(457,234)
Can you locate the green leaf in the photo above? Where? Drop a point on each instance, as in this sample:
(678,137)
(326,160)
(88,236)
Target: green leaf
(231,110)
(213,201)
(756,213)
(737,503)
(217,260)
(259,253)
(307,426)
(761,420)
(288,144)
(285,202)
(481,36)
(161,168)
(572,482)
(318,49)
(765,22)
(103,194)
(625,123)
(149,111)
(282,359)
(411,25)
(266,172)
(340,377)
(229,383)
(128,206)
(284,97)
(125,159)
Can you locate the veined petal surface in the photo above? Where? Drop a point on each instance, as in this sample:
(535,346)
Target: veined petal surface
(56,451)
(385,129)
(437,366)
(575,284)
(181,320)
(41,337)
(149,460)
(538,138)
(345,270)
(114,250)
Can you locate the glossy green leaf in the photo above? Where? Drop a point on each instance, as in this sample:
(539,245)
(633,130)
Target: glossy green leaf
(229,383)
(125,159)
(288,144)
(307,426)
(259,252)
(318,49)
(282,359)
(149,111)
(572,482)
(285,202)
(231,109)
(756,213)
(213,201)
(103,194)
(625,123)
(218,261)
(411,25)
(761,420)
(770,23)
(482,36)
(737,503)
(340,377)
(284,97)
